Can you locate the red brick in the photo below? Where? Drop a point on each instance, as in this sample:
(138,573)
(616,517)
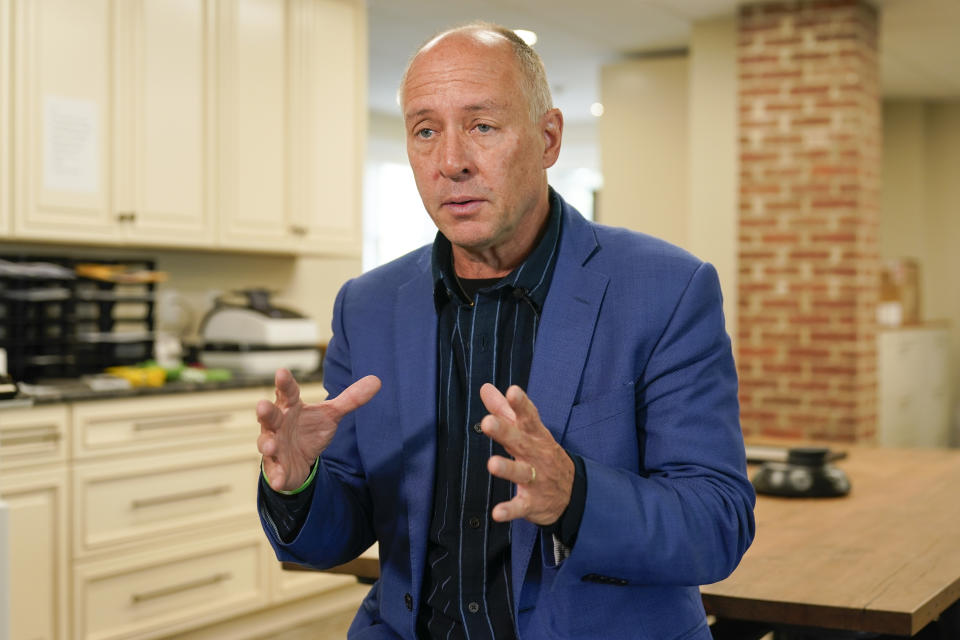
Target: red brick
(812,385)
(781,401)
(810,121)
(781,238)
(827,197)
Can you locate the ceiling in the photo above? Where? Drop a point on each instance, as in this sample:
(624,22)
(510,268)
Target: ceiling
(920,48)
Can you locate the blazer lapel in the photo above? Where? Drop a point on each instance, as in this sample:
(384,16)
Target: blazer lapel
(415,322)
(563,342)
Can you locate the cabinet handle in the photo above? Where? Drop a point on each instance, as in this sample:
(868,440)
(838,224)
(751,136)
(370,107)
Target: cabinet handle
(126,216)
(298,230)
(178,497)
(137,598)
(30,435)
(186,421)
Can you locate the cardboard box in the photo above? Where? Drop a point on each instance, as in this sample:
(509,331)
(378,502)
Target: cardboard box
(899,302)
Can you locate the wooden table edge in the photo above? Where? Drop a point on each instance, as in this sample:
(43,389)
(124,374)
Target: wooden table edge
(809,615)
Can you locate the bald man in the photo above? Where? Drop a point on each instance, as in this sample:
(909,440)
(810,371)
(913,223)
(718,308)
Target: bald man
(535,416)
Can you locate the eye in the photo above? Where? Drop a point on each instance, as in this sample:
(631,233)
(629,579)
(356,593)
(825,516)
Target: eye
(424,134)
(483,128)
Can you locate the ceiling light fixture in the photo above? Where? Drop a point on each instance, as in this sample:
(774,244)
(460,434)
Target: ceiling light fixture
(527,36)
(596,109)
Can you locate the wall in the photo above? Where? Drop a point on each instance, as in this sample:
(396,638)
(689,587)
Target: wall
(920,210)
(643,146)
(713,180)
(668,147)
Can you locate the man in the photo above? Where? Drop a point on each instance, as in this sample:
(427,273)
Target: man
(555,450)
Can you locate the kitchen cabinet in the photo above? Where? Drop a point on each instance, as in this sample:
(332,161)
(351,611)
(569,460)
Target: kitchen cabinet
(5,108)
(205,124)
(33,483)
(913,400)
(113,105)
(136,518)
(254,125)
(292,125)
(165,537)
(329,125)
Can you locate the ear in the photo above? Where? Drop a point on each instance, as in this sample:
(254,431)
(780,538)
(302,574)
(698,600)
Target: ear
(551,127)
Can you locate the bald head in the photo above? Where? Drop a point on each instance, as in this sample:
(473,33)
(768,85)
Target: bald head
(485,35)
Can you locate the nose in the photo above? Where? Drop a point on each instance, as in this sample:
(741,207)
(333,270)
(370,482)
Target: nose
(456,162)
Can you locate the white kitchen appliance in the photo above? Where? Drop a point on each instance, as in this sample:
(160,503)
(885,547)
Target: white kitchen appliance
(255,338)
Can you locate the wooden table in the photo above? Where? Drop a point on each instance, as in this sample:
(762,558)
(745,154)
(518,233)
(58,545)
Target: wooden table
(884,559)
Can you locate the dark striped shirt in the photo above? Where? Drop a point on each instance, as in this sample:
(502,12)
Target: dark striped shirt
(486,333)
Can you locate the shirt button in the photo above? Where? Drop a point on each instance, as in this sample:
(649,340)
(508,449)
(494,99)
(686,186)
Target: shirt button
(473,607)
(474,522)
(476,427)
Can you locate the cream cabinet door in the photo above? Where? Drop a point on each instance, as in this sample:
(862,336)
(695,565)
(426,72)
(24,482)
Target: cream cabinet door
(38,553)
(165,66)
(64,142)
(112,139)
(328,112)
(5,107)
(254,125)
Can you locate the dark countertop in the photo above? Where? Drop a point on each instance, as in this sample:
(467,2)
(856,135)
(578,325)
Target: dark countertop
(77,391)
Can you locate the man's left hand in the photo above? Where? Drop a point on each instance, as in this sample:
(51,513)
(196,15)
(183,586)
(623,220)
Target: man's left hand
(541,469)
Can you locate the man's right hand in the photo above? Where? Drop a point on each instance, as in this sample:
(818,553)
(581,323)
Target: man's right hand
(293,433)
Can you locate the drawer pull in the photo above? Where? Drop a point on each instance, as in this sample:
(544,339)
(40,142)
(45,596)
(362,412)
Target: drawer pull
(29,435)
(137,598)
(177,497)
(185,421)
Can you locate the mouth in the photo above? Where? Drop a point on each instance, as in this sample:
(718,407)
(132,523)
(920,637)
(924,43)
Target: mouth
(463,204)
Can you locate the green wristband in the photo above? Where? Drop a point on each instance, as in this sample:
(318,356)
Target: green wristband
(306,483)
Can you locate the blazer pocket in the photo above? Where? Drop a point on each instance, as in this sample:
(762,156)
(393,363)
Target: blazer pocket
(602,408)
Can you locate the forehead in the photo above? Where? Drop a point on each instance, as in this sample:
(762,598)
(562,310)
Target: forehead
(462,71)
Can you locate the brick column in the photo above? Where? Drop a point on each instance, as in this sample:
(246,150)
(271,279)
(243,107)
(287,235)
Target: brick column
(809,190)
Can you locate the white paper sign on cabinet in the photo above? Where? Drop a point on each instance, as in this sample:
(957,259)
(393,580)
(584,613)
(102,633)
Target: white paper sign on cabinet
(71,154)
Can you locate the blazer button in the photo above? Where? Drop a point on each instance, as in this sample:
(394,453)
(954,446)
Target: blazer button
(408,600)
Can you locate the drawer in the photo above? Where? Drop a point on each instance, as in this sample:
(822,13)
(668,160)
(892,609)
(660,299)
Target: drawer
(158,594)
(182,421)
(133,501)
(33,436)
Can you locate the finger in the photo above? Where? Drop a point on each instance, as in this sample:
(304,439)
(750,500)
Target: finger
(356,395)
(275,476)
(506,433)
(521,403)
(496,403)
(288,391)
(513,509)
(268,415)
(266,445)
(515,471)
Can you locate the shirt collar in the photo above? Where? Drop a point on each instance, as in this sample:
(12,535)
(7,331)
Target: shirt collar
(530,280)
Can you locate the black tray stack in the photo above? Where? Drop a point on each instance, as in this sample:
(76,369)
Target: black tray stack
(57,324)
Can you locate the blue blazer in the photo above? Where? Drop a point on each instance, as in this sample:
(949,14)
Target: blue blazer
(632,370)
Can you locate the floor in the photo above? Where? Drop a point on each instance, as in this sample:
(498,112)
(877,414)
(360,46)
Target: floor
(330,628)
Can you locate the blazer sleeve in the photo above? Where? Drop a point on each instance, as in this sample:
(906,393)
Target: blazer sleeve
(339,524)
(687,517)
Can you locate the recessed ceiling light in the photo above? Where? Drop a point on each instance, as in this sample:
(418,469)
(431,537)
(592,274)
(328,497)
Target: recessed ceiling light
(527,36)
(596,109)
